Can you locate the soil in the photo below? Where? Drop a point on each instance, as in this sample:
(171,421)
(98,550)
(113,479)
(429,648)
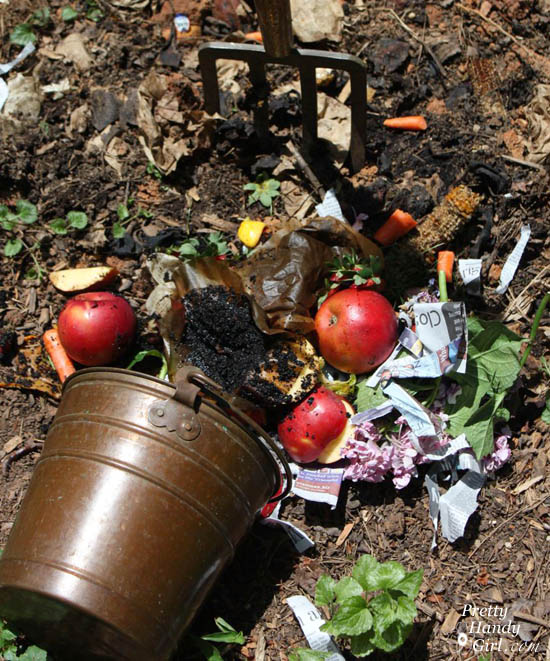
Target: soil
(473,69)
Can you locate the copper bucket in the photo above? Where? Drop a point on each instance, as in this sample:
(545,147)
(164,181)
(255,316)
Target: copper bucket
(140,496)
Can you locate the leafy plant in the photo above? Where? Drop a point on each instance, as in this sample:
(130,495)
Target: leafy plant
(41,17)
(73,220)
(68,14)
(9,650)
(264,190)
(125,217)
(22,34)
(225,634)
(14,222)
(373,608)
(214,245)
(351,270)
(153,170)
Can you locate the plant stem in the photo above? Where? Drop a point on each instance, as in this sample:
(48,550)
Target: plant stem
(534,328)
(434,392)
(442,282)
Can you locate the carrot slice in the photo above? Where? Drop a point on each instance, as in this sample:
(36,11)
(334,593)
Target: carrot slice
(254,36)
(397,225)
(409,123)
(445,261)
(61,361)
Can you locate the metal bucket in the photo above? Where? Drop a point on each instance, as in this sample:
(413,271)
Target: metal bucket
(140,496)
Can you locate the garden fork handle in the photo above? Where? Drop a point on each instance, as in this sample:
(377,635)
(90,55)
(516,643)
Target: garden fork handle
(275,21)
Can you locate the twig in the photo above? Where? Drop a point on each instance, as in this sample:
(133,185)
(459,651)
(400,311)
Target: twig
(421,41)
(520,161)
(506,521)
(535,577)
(300,161)
(532,618)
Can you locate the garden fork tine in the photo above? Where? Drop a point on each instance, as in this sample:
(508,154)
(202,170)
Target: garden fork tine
(276,27)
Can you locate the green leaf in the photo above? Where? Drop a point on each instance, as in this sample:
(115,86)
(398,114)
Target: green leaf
(273,185)
(41,17)
(209,651)
(77,219)
(308,655)
(13,247)
(189,248)
(265,199)
(406,610)
(364,567)
(250,186)
(410,585)
(226,633)
(393,637)
(6,217)
(347,587)
(367,397)
(545,416)
(253,197)
(34,273)
(352,618)
(154,353)
(94,14)
(479,428)
(33,653)
(122,212)
(386,575)
(68,14)
(58,225)
(384,610)
(22,35)
(6,636)
(118,231)
(324,590)
(26,212)
(362,645)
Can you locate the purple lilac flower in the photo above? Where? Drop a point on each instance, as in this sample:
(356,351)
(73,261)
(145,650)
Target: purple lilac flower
(500,455)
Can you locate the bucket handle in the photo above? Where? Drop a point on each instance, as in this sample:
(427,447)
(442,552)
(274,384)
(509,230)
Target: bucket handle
(195,376)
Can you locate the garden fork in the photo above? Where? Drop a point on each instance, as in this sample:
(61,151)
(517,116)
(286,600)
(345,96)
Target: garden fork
(276,27)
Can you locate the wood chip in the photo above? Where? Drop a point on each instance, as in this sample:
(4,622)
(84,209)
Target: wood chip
(450,622)
(10,445)
(344,534)
(260,649)
(218,223)
(527,484)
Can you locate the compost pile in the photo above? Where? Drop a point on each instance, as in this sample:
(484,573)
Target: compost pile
(109,159)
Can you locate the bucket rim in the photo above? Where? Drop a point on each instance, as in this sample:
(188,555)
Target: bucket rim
(284,477)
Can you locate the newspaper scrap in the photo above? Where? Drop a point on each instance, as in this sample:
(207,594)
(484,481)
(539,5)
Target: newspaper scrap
(510,267)
(310,621)
(372,414)
(320,486)
(5,68)
(407,340)
(429,366)
(330,206)
(439,324)
(470,272)
(456,506)
(418,417)
(298,537)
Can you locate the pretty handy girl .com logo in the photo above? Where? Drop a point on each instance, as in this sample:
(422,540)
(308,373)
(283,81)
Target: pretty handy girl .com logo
(492,629)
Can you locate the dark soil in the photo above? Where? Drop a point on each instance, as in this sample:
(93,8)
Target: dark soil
(473,69)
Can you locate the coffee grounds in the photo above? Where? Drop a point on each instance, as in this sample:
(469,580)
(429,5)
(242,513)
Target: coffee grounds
(221,336)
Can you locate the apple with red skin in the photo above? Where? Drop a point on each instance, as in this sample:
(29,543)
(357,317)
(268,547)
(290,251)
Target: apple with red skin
(97,328)
(357,330)
(312,424)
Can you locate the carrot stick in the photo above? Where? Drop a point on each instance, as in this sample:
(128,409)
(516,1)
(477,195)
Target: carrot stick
(397,225)
(445,261)
(254,36)
(61,361)
(409,123)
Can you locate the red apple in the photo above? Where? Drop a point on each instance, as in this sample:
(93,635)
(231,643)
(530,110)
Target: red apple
(357,330)
(313,424)
(96,328)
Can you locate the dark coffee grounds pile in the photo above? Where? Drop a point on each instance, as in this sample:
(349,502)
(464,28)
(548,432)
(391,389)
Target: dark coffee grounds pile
(221,336)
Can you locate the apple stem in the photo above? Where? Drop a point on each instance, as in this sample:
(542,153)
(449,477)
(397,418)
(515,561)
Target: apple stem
(442,281)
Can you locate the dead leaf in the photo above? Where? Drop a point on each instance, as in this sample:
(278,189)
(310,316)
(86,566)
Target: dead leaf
(538,114)
(74,50)
(527,484)
(24,98)
(317,20)
(10,445)
(78,120)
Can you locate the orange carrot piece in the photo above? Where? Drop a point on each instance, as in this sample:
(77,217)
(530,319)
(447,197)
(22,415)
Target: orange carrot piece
(397,225)
(410,123)
(445,261)
(61,361)
(254,36)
